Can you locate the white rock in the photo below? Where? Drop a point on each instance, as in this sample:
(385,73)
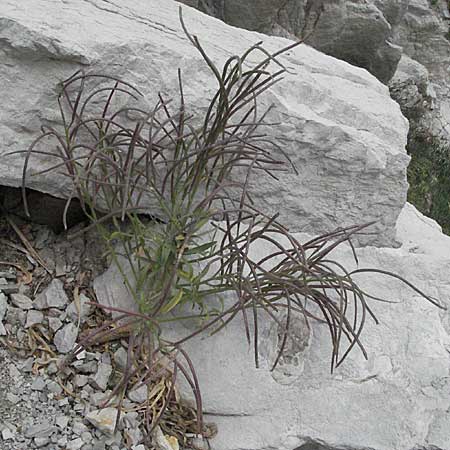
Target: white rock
(65,338)
(103,419)
(53,296)
(336,121)
(7,434)
(75,444)
(396,400)
(138,447)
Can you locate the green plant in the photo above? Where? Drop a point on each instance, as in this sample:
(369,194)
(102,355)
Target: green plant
(429,177)
(193,174)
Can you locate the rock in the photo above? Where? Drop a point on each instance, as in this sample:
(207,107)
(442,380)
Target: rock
(3,306)
(15,316)
(423,34)
(33,318)
(21,301)
(86,437)
(75,444)
(7,434)
(54,388)
(337,122)
(398,396)
(103,419)
(38,384)
(163,442)
(138,395)
(80,380)
(85,367)
(357,32)
(120,357)
(41,441)
(62,422)
(53,296)
(54,323)
(112,292)
(65,338)
(100,381)
(134,435)
(79,427)
(85,309)
(39,430)
(411,88)
(14,399)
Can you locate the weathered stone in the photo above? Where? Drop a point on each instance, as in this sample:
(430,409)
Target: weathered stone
(41,441)
(54,323)
(120,358)
(33,318)
(398,396)
(7,434)
(84,309)
(337,122)
(62,421)
(138,395)
(39,430)
(38,384)
(103,419)
(423,34)
(21,301)
(3,306)
(53,296)
(358,32)
(54,387)
(65,338)
(75,444)
(101,378)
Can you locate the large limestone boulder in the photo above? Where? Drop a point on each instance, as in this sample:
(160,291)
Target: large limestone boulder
(336,122)
(397,399)
(358,32)
(369,33)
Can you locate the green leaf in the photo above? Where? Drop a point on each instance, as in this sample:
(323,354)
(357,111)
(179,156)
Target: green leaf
(200,249)
(173,302)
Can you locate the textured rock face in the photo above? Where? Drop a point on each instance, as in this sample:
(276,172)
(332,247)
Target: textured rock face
(371,34)
(357,32)
(396,400)
(424,35)
(337,122)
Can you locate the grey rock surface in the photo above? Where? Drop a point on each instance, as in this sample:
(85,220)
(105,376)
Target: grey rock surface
(53,296)
(66,337)
(337,122)
(355,31)
(103,419)
(424,34)
(21,301)
(33,318)
(81,312)
(395,400)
